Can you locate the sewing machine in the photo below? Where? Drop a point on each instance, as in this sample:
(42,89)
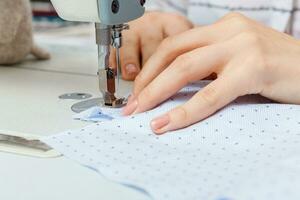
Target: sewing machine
(31,105)
(110,18)
(31,108)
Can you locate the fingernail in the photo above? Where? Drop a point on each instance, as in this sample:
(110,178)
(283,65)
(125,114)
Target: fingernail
(159,123)
(131,69)
(130,108)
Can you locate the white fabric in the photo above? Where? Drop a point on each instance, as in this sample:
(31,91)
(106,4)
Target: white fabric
(248,150)
(282,15)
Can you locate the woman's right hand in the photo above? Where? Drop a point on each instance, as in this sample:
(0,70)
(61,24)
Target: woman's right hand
(143,38)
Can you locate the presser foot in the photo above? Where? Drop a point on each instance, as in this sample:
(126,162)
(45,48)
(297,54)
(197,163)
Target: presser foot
(111,101)
(84,105)
(116,104)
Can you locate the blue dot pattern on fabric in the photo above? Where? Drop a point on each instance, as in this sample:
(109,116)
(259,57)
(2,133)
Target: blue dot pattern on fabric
(248,150)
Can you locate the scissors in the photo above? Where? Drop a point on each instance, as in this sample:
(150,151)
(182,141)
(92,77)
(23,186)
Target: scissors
(25,144)
(22,141)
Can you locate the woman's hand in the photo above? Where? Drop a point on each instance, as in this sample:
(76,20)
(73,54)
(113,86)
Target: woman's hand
(247,57)
(143,38)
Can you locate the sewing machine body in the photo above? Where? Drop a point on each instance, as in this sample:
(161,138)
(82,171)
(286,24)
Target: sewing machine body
(30,100)
(109,12)
(110,17)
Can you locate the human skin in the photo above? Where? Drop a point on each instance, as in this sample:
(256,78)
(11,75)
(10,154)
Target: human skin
(246,56)
(143,38)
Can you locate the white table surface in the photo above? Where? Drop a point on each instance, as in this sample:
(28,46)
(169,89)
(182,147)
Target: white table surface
(29,103)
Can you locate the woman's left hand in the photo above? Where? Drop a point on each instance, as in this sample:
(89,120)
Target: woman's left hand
(247,57)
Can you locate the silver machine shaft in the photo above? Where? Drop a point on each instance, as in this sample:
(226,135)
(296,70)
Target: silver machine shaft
(107,37)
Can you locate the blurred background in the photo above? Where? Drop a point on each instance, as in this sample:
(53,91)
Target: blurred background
(71,44)
(45,17)
(33,86)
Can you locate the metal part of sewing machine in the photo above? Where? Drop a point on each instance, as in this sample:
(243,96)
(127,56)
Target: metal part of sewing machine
(107,36)
(110,17)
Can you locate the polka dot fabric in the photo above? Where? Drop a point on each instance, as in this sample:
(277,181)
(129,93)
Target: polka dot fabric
(248,150)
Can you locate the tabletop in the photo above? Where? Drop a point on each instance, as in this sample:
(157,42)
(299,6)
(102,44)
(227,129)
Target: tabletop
(29,103)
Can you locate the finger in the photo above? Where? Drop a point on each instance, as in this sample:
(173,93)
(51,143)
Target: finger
(190,67)
(174,46)
(149,46)
(130,56)
(176,26)
(206,102)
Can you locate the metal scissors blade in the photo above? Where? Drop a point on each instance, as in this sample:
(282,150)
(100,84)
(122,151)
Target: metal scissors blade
(21,141)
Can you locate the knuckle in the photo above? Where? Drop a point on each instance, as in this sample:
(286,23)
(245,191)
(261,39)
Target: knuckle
(239,20)
(138,80)
(181,114)
(150,16)
(209,96)
(183,60)
(181,66)
(146,96)
(182,63)
(177,17)
(234,15)
(249,38)
(262,64)
(166,44)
